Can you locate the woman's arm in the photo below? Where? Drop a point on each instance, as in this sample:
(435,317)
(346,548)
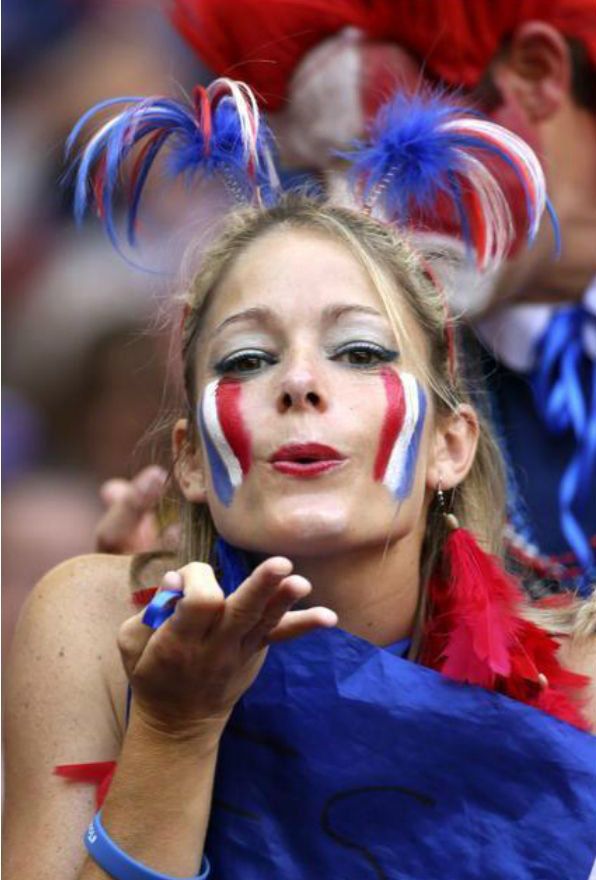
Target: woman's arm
(62,682)
(186,678)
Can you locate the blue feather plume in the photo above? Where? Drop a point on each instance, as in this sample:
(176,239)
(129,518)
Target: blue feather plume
(422,150)
(407,146)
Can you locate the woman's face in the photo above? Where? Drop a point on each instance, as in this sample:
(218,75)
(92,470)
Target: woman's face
(314,426)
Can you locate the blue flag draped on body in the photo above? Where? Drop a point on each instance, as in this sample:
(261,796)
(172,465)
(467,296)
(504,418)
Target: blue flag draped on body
(346,762)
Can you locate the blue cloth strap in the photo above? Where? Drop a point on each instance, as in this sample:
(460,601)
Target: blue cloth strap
(118,864)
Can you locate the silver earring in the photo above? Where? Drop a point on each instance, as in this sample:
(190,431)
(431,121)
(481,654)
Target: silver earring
(450,519)
(440,497)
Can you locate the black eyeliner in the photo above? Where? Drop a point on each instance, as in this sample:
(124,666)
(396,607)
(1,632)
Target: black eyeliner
(230,361)
(385,355)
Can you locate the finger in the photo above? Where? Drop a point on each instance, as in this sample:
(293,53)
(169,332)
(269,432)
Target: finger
(149,481)
(133,636)
(113,491)
(289,591)
(136,631)
(202,604)
(246,605)
(298,623)
(131,502)
(172,580)
(163,603)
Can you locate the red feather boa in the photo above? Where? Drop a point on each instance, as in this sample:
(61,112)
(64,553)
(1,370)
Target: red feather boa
(475,634)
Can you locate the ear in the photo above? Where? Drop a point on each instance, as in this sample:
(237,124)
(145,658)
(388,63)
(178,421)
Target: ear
(453,449)
(536,72)
(188,464)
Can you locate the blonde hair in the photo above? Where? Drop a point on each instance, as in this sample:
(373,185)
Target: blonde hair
(400,275)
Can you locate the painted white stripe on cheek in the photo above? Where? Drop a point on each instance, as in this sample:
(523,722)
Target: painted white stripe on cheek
(398,457)
(216,434)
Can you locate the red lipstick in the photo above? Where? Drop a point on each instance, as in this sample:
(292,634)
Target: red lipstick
(306,459)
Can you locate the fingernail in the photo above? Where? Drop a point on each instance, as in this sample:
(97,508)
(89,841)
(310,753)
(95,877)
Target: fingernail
(281,566)
(172,580)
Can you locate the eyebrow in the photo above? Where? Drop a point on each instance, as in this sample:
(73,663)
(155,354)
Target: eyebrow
(256,313)
(334,312)
(331,312)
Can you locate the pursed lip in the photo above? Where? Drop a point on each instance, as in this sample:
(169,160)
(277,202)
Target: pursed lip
(306,459)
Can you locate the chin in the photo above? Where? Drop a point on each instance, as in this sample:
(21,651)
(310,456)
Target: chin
(305,529)
(294,527)
(314,534)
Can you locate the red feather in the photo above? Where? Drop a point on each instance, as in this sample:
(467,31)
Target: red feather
(475,634)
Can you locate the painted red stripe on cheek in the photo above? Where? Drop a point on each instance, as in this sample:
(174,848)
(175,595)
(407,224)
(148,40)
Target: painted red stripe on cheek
(228,397)
(393,421)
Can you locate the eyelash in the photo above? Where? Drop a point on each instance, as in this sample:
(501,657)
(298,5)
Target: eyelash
(233,362)
(383,355)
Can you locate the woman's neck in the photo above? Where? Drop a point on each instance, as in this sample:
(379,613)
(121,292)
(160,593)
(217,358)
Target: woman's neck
(374,591)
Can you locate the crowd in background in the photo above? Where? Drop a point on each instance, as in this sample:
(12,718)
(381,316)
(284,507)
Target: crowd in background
(76,317)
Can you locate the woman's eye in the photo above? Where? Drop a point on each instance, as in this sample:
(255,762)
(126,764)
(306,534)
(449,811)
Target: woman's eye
(359,354)
(243,362)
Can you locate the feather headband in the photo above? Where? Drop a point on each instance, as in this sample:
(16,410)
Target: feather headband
(424,156)
(220,134)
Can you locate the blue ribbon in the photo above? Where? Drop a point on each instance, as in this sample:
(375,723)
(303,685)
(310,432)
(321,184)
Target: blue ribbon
(234,566)
(161,607)
(567,405)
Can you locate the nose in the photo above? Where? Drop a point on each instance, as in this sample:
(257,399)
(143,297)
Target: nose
(302,388)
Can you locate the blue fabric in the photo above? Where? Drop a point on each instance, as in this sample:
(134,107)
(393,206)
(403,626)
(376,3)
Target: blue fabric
(345,762)
(399,648)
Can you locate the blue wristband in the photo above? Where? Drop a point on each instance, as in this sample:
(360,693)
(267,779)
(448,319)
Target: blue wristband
(117,864)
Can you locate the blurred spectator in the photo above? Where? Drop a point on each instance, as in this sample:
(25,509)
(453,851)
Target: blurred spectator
(76,317)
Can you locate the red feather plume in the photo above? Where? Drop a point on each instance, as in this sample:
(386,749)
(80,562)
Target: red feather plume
(475,634)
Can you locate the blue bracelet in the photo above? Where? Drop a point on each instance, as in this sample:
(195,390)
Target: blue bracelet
(117,864)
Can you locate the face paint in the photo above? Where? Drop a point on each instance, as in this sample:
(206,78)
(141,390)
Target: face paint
(225,436)
(395,463)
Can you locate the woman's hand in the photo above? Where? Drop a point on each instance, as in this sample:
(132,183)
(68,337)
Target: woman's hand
(187,675)
(130,522)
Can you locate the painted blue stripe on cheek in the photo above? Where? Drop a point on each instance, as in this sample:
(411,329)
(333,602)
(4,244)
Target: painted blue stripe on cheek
(219,473)
(405,485)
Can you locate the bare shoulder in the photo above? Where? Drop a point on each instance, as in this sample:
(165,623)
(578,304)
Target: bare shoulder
(87,584)
(78,605)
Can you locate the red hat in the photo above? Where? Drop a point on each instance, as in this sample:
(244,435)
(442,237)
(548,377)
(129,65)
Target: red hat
(262,41)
